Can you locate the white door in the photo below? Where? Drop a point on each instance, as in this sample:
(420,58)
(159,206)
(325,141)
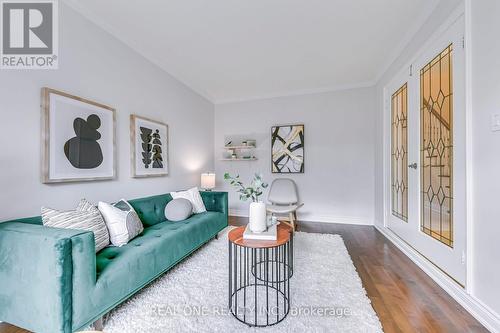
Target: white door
(425,106)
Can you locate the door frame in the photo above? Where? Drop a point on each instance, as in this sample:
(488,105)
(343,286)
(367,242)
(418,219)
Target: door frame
(459,12)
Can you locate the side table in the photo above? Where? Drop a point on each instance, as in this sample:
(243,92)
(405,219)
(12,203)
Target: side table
(259,277)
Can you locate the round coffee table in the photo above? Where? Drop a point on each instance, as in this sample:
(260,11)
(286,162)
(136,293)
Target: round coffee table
(259,277)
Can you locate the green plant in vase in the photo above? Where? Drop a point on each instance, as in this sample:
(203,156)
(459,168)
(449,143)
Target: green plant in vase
(257,211)
(254,191)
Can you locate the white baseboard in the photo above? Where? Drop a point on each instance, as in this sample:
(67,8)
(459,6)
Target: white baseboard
(238,212)
(485,315)
(315,218)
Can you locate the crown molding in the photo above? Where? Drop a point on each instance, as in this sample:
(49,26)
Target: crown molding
(300,92)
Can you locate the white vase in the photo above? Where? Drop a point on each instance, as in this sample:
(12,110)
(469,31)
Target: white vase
(257,217)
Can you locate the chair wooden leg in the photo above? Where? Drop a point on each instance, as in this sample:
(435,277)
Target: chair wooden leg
(296,221)
(292,221)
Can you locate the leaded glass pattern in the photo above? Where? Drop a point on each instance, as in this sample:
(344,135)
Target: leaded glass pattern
(436,147)
(399,149)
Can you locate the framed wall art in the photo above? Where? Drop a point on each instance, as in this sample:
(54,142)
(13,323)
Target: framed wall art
(78,139)
(287,149)
(149,147)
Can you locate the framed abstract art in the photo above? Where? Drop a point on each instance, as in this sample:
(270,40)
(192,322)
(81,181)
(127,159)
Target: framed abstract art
(149,147)
(78,139)
(287,149)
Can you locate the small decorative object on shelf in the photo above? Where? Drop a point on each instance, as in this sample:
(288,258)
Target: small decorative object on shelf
(257,211)
(252,143)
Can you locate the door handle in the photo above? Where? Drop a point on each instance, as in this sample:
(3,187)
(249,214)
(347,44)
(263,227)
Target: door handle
(413,166)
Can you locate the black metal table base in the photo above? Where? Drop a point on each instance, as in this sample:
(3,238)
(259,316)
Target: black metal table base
(259,283)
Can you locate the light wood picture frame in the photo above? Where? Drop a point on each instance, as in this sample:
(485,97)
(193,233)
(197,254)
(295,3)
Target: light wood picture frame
(148,147)
(78,138)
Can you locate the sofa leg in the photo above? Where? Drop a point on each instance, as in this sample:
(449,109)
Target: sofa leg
(97,325)
(217,236)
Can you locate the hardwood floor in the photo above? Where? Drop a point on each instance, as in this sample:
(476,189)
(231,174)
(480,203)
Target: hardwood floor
(404,297)
(6,328)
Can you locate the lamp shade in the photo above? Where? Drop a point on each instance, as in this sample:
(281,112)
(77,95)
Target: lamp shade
(208,180)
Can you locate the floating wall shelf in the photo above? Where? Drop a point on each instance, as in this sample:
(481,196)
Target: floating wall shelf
(239,159)
(239,150)
(238,147)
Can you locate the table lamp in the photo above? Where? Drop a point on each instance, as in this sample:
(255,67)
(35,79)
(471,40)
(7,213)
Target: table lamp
(208,181)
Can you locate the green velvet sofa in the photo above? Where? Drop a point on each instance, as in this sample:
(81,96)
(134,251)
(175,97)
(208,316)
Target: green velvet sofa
(51,279)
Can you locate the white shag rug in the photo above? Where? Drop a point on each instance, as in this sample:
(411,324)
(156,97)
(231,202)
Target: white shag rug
(326,294)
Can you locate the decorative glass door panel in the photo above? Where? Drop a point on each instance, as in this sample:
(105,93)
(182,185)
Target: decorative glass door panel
(399,149)
(436,147)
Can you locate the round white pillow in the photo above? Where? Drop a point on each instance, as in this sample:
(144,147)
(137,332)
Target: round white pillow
(178,209)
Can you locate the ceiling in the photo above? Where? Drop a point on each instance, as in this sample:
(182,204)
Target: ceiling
(232,50)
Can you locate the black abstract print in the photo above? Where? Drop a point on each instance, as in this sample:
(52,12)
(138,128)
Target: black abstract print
(83,151)
(287,143)
(146,146)
(151,148)
(157,158)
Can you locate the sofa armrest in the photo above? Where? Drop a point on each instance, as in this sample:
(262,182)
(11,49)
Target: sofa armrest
(215,201)
(36,275)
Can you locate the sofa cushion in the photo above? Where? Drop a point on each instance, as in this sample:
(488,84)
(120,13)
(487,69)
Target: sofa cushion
(88,220)
(122,222)
(178,209)
(194,196)
(151,210)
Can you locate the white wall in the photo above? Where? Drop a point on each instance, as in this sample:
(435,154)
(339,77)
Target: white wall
(485,81)
(338,183)
(95,65)
(485,72)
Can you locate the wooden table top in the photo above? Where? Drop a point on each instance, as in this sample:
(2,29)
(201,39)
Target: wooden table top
(236,236)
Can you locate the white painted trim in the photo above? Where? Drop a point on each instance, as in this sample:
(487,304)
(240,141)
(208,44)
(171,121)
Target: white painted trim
(238,212)
(485,315)
(316,218)
(300,92)
(469,174)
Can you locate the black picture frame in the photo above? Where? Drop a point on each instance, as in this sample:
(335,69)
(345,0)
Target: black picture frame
(299,144)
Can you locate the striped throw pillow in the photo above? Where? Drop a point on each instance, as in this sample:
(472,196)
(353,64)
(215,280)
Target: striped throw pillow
(88,220)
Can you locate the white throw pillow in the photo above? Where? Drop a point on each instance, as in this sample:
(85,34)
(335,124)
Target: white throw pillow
(122,221)
(194,196)
(88,220)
